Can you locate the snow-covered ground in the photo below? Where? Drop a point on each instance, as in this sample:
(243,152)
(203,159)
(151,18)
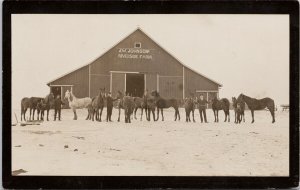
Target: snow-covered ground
(89,148)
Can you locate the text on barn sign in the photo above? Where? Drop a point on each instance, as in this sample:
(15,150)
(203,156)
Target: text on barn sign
(134,53)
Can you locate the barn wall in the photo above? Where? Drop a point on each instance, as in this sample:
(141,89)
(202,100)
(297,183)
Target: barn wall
(99,81)
(160,63)
(171,87)
(194,81)
(79,79)
(118,82)
(151,82)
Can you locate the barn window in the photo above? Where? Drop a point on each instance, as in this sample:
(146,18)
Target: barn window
(137,45)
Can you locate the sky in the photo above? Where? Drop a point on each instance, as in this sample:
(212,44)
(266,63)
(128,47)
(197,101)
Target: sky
(245,53)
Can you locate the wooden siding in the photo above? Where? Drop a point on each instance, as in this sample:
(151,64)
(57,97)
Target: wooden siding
(194,81)
(79,79)
(118,83)
(151,81)
(162,63)
(99,81)
(171,87)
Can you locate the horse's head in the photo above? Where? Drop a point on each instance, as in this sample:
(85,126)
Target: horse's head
(68,95)
(233,99)
(240,98)
(154,93)
(120,95)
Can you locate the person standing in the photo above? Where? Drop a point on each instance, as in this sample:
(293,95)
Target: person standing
(202,108)
(109,106)
(57,107)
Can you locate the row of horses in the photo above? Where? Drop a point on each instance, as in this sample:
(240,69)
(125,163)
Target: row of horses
(149,102)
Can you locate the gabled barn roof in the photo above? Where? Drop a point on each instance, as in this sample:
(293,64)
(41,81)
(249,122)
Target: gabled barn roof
(138,29)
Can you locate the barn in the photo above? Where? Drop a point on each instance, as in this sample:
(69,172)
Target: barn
(133,65)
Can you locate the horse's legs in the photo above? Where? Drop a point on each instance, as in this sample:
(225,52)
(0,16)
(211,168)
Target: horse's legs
(273,115)
(153,114)
(178,114)
(228,115)
(235,116)
(75,115)
(22,113)
(119,115)
(193,115)
(186,116)
(142,109)
(162,114)
(252,114)
(217,115)
(135,109)
(146,112)
(157,114)
(48,114)
(101,113)
(225,115)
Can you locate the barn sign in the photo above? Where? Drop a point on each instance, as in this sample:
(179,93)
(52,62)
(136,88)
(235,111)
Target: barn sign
(134,53)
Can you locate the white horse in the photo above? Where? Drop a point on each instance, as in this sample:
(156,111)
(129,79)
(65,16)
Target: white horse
(77,103)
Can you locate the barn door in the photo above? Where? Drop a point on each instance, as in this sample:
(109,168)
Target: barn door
(118,83)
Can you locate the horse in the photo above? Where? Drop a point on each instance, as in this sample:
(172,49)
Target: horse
(48,102)
(258,104)
(41,107)
(98,105)
(222,104)
(77,103)
(33,101)
(126,103)
(189,105)
(162,103)
(90,110)
(140,103)
(25,104)
(239,110)
(150,106)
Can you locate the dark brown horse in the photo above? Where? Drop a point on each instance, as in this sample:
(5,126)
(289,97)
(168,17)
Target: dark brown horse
(222,104)
(150,105)
(162,103)
(48,102)
(25,104)
(140,103)
(98,105)
(33,102)
(239,110)
(41,107)
(258,104)
(189,105)
(126,103)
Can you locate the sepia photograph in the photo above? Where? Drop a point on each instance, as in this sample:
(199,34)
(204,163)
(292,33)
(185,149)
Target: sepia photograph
(150,95)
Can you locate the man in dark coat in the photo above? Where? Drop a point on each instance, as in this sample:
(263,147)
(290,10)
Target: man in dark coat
(109,105)
(202,108)
(57,107)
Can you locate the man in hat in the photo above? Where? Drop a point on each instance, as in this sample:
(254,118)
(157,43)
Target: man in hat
(202,108)
(57,107)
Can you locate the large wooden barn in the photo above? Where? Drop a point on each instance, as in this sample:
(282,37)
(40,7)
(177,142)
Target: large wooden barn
(133,65)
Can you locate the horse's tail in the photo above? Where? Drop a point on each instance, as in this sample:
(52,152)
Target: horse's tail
(226,104)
